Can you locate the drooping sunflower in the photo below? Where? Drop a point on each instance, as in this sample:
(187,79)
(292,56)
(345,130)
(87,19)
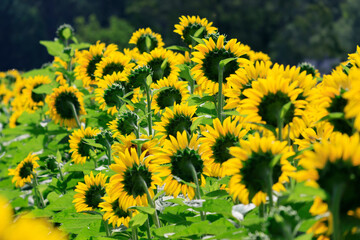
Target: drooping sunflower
(79,149)
(126,143)
(35,100)
(216,143)
(133,173)
(163,64)
(177,154)
(250,168)
(188,26)
(61,103)
(241,80)
(87,60)
(334,166)
(109,90)
(114,213)
(173,92)
(146,40)
(208,56)
(23,173)
(116,62)
(178,119)
(265,99)
(89,194)
(124,124)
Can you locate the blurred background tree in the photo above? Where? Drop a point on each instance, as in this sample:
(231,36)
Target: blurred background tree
(320,31)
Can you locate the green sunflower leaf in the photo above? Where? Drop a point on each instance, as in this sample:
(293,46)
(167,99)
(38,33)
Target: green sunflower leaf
(148,43)
(139,141)
(198,40)
(199,32)
(185,73)
(146,210)
(178,48)
(46,88)
(305,237)
(55,49)
(275,160)
(80,46)
(91,142)
(223,63)
(58,157)
(285,109)
(200,121)
(138,220)
(161,89)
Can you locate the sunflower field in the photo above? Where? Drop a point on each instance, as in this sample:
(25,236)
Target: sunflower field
(209,140)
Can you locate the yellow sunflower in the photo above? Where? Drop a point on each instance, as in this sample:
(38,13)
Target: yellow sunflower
(216,143)
(352,110)
(35,100)
(14,117)
(174,160)
(61,103)
(188,26)
(171,91)
(259,57)
(146,40)
(23,173)
(5,94)
(208,56)
(116,62)
(59,63)
(251,171)
(354,58)
(124,124)
(10,77)
(134,54)
(265,99)
(241,80)
(79,149)
(178,119)
(163,64)
(87,60)
(309,69)
(334,165)
(109,90)
(114,213)
(133,173)
(89,194)
(126,143)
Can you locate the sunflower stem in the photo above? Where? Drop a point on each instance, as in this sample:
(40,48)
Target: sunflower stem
(269,183)
(37,192)
(338,190)
(61,174)
(107,229)
(148,229)
(73,109)
(261,210)
(148,97)
(108,146)
(150,201)
(197,190)
(220,95)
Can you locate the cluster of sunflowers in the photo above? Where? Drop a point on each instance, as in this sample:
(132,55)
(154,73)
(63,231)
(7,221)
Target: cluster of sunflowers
(210,123)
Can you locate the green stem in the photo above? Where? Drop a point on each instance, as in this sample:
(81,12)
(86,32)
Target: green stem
(280,126)
(37,192)
(61,174)
(108,146)
(73,109)
(262,210)
(148,229)
(149,116)
(95,162)
(269,183)
(150,201)
(106,225)
(338,190)
(220,95)
(197,190)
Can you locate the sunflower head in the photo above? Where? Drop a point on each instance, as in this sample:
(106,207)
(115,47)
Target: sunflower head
(89,194)
(65,32)
(138,75)
(146,40)
(35,100)
(124,124)
(191,26)
(61,103)
(308,68)
(23,173)
(79,149)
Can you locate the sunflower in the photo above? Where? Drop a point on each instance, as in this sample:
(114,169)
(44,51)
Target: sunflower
(90,194)
(134,54)
(10,77)
(178,119)
(250,168)
(265,99)
(334,165)
(321,131)
(116,62)
(79,149)
(133,172)
(208,56)
(14,117)
(109,90)
(352,110)
(146,40)
(23,173)
(170,92)
(259,57)
(354,58)
(216,143)
(124,124)
(163,64)
(241,80)
(5,94)
(174,159)
(309,69)
(126,143)
(60,105)
(35,100)
(87,60)
(138,75)
(188,26)
(114,213)
(58,63)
